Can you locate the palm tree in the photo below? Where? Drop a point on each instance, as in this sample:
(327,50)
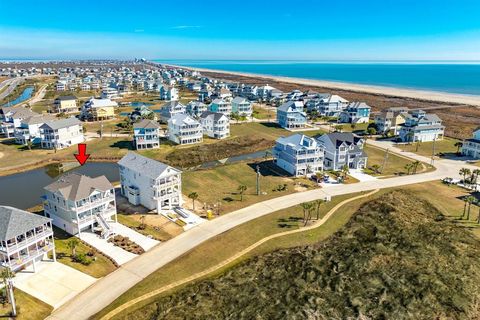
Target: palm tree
(72,245)
(470,200)
(308,170)
(465,201)
(415,165)
(318,203)
(464,172)
(478,217)
(458,145)
(410,136)
(353,126)
(307,207)
(6,274)
(371,131)
(475,174)
(241,189)
(193,196)
(29,144)
(376,168)
(345,171)
(408,167)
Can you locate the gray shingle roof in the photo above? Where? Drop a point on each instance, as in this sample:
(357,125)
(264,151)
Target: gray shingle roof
(75,186)
(216,115)
(62,123)
(146,124)
(14,222)
(149,167)
(337,138)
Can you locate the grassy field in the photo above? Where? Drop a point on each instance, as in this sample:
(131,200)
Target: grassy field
(28,307)
(100,267)
(393,246)
(263,113)
(347,127)
(42,106)
(445,146)
(269,131)
(157,226)
(223,183)
(214,251)
(444,198)
(395,164)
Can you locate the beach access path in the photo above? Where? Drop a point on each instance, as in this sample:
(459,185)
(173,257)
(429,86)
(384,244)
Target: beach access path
(107,289)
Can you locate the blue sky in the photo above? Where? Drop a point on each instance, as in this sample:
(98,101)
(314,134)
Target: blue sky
(313,30)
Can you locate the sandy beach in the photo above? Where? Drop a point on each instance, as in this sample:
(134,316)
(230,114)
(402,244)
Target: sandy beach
(379,90)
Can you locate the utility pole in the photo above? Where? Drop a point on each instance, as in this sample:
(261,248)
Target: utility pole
(385,158)
(258,180)
(433,152)
(11,296)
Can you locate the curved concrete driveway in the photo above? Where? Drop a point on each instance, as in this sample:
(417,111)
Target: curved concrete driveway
(107,289)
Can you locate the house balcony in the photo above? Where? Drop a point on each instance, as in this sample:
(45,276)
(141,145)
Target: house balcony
(166,196)
(107,213)
(11,248)
(19,261)
(95,203)
(159,185)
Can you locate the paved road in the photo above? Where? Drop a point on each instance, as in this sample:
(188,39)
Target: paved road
(107,289)
(12,83)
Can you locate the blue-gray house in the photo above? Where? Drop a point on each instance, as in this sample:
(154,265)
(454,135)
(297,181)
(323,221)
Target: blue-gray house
(290,115)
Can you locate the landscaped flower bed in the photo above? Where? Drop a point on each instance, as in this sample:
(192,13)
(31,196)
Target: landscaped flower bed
(126,244)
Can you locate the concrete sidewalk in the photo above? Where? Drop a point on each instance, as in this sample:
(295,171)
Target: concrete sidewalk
(119,255)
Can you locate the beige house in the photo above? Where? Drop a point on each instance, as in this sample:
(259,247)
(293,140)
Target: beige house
(65,104)
(391,120)
(99,109)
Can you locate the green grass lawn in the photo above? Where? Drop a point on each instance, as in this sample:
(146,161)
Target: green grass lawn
(269,131)
(263,113)
(100,267)
(348,127)
(28,307)
(158,233)
(42,106)
(445,146)
(223,182)
(395,164)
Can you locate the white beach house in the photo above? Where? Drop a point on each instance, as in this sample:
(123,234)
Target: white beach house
(150,183)
(146,134)
(78,203)
(183,129)
(215,125)
(25,238)
(299,155)
(63,133)
(471,147)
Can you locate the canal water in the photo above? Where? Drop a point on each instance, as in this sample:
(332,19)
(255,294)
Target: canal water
(25,95)
(23,190)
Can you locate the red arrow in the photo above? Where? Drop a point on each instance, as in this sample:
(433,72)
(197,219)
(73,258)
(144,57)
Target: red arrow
(82,156)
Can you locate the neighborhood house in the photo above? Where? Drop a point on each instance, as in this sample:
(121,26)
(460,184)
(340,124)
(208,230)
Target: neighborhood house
(150,183)
(77,203)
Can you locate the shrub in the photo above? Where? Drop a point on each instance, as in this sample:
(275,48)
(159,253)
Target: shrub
(83,259)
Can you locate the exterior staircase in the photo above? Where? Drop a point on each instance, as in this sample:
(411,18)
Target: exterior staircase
(107,228)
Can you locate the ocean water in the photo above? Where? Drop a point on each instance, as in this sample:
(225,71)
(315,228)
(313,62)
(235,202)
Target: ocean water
(452,77)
